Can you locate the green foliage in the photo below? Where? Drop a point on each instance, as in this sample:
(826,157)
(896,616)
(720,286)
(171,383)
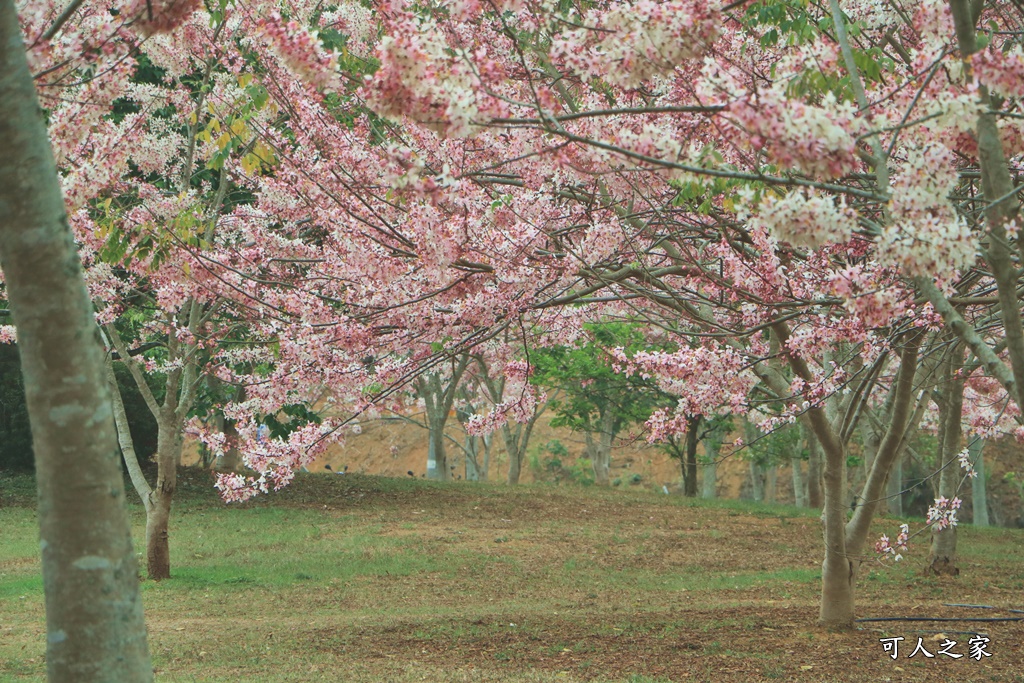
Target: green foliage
(785,443)
(141,422)
(556,448)
(15,434)
(290,418)
(591,387)
(581,472)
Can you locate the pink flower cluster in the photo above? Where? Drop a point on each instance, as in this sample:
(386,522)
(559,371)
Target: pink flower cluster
(707,381)
(942,514)
(520,407)
(302,53)
(871,296)
(818,141)
(439,85)
(806,218)
(633,42)
(1002,72)
(926,236)
(884,547)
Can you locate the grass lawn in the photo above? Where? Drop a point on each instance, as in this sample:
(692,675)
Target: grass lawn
(366,579)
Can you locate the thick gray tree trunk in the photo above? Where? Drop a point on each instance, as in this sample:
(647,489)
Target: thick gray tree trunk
(94,621)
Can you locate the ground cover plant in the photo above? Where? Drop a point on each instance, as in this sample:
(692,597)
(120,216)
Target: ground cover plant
(372,579)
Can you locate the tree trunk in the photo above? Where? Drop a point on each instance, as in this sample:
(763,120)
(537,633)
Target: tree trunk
(515,466)
(712,447)
(837,571)
(799,491)
(231,459)
(158,514)
(601,450)
(124,438)
(815,496)
(690,462)
(484,468)
(942,558)
(472,467)
(94,620)
(979,491)
(894,486)
(437,461)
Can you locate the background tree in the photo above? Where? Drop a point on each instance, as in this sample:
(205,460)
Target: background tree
(596,400)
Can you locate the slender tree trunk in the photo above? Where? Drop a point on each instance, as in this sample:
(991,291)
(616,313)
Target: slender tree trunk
(709,484)
(942,559)
(601,458)
(485,466)
(168,452)
(231,459)
(515,466)
(517,440)
(979,491)
(472,467)
(815,495)
(690,464)
(437,460)
(94,621)
(894,486)
(837,570)
(756,481)
(771,478)
(799,490)
(124,438)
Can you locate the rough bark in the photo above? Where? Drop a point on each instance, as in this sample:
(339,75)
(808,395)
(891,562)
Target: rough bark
(837,571)
(516,441)
(168,454)
(94,620)
(170,419)
(894,486)
(771,477)
(757,471)
(600,450)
